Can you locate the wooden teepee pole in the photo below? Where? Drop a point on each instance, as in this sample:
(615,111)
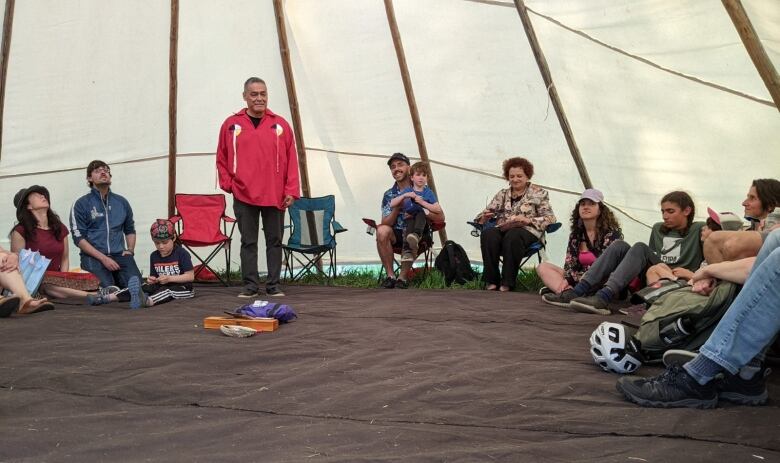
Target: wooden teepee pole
(418,132)
(8,21)
(541,61)
(173,53)
(292,96)
(754,48)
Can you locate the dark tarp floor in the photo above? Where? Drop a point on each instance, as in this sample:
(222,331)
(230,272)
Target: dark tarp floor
(363,375)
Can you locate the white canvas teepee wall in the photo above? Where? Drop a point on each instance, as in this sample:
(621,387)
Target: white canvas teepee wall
(659,94)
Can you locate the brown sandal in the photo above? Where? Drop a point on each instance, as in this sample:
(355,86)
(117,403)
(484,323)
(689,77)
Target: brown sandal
(8,305)
(43,306)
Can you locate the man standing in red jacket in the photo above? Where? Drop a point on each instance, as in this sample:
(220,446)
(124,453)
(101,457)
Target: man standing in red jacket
(257,163)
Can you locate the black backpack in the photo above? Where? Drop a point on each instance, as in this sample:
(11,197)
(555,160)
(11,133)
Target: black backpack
(454,264)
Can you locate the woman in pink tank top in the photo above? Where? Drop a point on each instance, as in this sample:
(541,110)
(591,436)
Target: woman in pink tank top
(593,228)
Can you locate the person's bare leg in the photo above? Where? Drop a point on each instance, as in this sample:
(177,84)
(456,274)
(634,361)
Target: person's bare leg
(385,237)
(713,245)
(12,281)
(742,245)
(552,277)
(659,272)
(60,292)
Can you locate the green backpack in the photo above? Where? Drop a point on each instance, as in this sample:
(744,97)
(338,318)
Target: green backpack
(682,319)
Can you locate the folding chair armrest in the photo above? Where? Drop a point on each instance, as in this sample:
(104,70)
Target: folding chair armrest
(553,227)
(338,228)
(228,219)
(370,222)
(436,226)
(174,218)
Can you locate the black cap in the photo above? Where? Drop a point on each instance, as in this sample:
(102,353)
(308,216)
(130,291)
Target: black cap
(398,157)
(20,198)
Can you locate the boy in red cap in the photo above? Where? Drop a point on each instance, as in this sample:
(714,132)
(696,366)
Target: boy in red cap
(171,273)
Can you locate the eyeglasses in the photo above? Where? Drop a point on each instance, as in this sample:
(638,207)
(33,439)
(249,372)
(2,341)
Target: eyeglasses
(102,170)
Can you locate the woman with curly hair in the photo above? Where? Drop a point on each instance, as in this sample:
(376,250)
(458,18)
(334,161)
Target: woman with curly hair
(593,228)
(520,213)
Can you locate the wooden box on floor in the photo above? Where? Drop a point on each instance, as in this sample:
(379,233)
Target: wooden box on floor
(260,324)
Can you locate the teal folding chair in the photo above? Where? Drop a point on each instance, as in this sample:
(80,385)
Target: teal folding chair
(313,230)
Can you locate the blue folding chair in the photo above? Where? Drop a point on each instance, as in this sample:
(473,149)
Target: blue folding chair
(536,249)
(313,232)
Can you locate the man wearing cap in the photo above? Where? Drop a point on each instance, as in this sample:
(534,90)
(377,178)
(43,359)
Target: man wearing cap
(102,226)
(390,230)
(257,163)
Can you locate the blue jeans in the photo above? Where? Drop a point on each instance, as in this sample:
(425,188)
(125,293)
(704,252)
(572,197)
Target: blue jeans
(127,269)
(753,320)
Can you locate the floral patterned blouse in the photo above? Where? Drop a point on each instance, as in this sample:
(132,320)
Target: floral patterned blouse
(572,268)
(534,204)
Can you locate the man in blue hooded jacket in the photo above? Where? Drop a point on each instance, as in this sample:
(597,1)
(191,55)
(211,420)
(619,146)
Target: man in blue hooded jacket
(101,223)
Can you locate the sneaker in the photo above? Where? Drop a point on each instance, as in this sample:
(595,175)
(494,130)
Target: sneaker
(137,294)
(98,299)
(248,293)
(545,290)
(560,300)
(591,304)
(407,256)
(108,290)
(737,389)
(671,389)
(678,357)
(413,240)
(388,283)
(401,284)
(274,292)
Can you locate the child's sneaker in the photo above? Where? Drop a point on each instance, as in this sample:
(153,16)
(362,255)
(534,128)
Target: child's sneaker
(407,256)
(98,299)
(108,290)
(413,240)
(137,294)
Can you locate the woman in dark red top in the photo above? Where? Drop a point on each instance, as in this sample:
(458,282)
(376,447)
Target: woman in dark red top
(40,229)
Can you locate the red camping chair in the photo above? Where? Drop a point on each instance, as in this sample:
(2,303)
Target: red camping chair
(201,222)
(425,248)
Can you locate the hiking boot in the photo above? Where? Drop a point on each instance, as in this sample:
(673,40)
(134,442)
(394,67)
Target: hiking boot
(560,300)
(98,299)
(401,284)
(274,292)
(737,389)
(413,240)
(248,293)
(407,256)
(108,290)
(137,294)
(671,389)
(591,304)
(388,283)
(678,357)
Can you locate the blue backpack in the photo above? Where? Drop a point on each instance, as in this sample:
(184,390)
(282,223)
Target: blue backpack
(264,309)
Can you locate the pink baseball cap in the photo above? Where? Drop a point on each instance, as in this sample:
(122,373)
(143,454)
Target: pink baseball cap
(592,194)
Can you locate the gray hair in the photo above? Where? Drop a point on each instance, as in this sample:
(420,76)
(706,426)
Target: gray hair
(253,80)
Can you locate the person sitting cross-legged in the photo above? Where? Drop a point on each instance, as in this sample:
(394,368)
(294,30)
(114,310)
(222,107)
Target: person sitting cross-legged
(728,366)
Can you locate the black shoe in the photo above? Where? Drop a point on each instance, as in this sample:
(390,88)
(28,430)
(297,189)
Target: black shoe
(672,388)
(248,294)
(545,290)
(736,389)
(560,300)
(591,304)
(274,292)
(401,284)
(388,283)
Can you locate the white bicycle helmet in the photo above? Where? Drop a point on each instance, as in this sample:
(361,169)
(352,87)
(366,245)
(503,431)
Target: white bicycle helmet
(612,351)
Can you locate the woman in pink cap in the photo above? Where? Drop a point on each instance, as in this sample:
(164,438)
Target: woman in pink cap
(593,228)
